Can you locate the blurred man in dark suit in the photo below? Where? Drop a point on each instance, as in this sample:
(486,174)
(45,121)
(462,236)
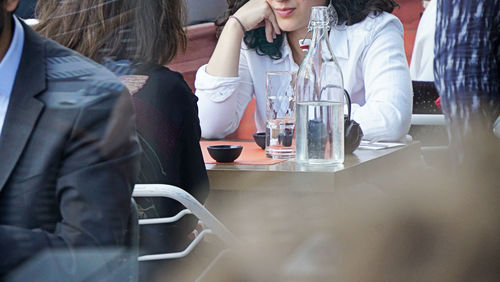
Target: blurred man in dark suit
(67,145)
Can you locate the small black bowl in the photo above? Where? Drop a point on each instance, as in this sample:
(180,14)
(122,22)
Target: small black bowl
(260,139)
(225,153)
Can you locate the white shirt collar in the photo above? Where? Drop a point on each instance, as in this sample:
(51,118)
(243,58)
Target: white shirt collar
(10,62)
(285,51)
(338,41)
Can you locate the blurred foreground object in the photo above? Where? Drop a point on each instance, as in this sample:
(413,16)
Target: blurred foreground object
(69,150)
(78,265)
(419,228)
(467,75)
(440,231)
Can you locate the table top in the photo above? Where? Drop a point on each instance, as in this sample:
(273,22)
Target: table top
(358,166)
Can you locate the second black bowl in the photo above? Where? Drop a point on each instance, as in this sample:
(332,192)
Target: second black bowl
(225,153)
(260,139)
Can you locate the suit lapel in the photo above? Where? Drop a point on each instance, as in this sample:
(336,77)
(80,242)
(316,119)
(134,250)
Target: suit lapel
(24,109)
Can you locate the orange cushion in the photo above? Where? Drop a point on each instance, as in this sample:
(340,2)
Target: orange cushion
(409,14)
(247,124)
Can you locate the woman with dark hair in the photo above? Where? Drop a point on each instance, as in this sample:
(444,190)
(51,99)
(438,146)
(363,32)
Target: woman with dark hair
(263,35)
(140,37)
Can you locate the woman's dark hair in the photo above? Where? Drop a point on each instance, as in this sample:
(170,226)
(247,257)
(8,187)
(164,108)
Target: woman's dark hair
(349,11)
(142,31)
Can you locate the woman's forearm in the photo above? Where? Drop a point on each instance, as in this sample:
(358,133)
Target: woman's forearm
(226,57)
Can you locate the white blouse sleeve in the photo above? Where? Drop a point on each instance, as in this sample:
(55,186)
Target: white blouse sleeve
(386,115)
(223,100)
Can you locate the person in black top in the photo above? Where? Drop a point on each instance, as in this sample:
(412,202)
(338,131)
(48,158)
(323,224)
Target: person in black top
(135,40)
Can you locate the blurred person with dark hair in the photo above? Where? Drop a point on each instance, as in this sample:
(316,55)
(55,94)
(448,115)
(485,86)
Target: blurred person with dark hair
(467,75)
(137,39)
(263,35)
(68,146)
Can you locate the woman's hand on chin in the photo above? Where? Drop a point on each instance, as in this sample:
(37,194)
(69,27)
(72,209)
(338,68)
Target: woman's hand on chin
(258,13)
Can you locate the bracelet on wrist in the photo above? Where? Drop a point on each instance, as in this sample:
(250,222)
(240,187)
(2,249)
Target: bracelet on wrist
(241,24)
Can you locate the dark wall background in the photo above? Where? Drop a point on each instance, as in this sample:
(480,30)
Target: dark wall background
(204,10)
(26,8)
(198,10)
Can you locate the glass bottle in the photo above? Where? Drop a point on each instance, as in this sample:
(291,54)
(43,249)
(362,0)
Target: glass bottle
(320,98)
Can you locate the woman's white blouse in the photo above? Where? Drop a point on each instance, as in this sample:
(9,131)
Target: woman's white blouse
(371,56)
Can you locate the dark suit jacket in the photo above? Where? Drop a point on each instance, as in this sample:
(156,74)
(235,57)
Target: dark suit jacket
(69,155)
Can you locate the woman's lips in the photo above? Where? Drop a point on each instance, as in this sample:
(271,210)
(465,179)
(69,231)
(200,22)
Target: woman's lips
(286,12)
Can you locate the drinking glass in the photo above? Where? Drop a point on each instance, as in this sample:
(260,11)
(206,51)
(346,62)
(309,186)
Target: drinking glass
(280,114)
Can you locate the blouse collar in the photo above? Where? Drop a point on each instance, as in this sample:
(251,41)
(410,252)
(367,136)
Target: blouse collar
(338,40)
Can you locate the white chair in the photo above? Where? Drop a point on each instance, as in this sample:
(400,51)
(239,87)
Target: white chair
(425,112)
(213,225)
(428,124)
(428,119)
(496,127)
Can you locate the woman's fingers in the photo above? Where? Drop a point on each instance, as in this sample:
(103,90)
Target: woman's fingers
(269,31)
(274,22)
(272,27)
(258,13)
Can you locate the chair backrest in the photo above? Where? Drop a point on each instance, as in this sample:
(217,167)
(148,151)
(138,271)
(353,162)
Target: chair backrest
(427,120)
(213,225)
(496,127)
(424,97)
(425,110)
